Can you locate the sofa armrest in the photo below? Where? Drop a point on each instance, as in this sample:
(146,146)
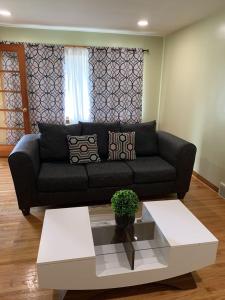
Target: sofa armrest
(24,163)
(180,154)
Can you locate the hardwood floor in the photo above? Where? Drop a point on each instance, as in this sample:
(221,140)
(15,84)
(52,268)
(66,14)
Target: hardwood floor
(19,240)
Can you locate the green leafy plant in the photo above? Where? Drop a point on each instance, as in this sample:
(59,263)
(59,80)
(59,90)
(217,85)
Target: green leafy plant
(125,202)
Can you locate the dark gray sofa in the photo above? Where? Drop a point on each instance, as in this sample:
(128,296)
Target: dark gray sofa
(42,174)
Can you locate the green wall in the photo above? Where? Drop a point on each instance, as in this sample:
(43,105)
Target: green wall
(193,92)
(152,65)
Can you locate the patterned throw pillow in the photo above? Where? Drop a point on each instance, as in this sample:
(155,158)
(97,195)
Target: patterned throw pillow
(83,149)
(122,145)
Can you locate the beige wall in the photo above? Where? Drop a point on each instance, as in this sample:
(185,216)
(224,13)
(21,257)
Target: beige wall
(193,92)
(152,66)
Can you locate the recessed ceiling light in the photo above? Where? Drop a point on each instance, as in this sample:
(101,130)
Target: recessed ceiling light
(142,23)
(5,13)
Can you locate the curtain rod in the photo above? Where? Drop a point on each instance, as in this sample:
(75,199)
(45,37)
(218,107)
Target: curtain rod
(78,46)
(66,46)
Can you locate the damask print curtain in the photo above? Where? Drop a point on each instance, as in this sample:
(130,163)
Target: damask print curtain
(44,65)
(116,79)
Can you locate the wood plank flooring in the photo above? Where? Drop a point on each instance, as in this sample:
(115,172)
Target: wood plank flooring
(19,240)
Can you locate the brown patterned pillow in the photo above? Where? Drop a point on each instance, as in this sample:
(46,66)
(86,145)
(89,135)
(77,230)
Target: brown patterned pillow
(83,149)
(122,145)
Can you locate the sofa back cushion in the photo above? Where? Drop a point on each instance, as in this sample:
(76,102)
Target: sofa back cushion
(146,143)
(101,129)
(53,141)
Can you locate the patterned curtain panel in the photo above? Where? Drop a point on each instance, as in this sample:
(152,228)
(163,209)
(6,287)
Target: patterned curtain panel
(45,83)
(116,80)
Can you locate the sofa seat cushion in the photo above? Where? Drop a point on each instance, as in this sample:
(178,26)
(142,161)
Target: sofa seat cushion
(59,177)
(108,174)
(151,169)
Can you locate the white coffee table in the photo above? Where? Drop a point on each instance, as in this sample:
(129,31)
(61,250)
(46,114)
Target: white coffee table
(68,259)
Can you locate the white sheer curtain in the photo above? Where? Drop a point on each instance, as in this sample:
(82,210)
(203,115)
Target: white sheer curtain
(76,73)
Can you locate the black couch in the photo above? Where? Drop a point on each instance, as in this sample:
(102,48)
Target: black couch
(42,173)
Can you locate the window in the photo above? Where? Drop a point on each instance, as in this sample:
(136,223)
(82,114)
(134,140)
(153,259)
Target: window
(76,73)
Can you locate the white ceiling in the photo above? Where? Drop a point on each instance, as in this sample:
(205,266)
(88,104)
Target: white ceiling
(165,16)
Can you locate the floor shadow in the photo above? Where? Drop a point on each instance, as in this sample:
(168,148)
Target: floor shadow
(139,290)
(35,222)
(196,277)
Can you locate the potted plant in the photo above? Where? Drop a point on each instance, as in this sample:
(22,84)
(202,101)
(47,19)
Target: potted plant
(125,205)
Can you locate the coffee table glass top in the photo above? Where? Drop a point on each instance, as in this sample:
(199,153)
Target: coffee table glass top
(142,236)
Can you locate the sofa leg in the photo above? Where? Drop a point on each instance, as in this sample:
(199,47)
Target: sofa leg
(26,211)
(181,195)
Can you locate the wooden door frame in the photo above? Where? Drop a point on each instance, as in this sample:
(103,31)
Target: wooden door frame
(19,49)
